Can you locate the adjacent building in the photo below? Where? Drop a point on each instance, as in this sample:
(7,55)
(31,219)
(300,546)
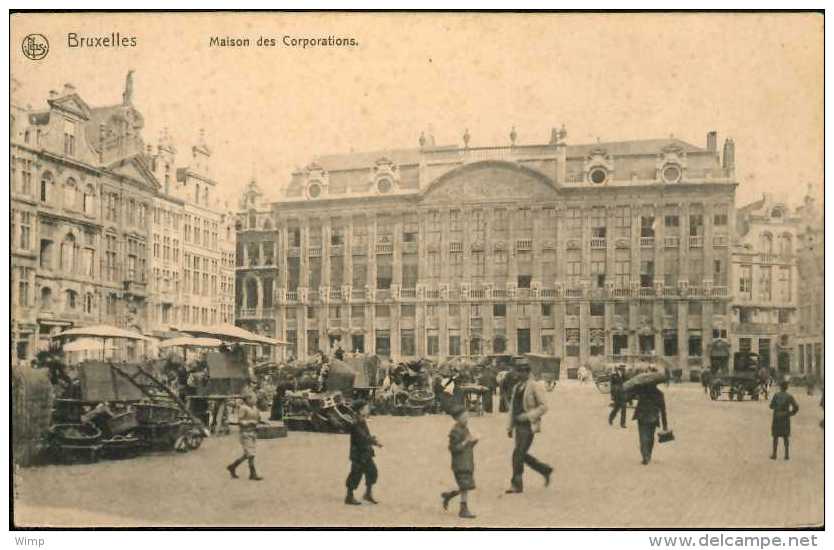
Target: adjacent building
(811,296)
(766,279)
(98,225)
(584,251)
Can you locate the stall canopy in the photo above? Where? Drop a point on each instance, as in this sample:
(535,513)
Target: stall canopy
(231,332)
(101,331)
(87,344)
(191,342)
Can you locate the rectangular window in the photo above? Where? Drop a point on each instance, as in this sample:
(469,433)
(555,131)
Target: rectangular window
(523,336)
(69,138)
(573,219)
(499,310)
(695,347)
(547,310)
(383,343)
(432,343)
(384,271)
(696,225)
(408,311)
(382,311)
(25,229)
(407,344)
(670,342)
(454,343)
(622,221)
(312,342)
(572,342)
(456,264)
(597,309)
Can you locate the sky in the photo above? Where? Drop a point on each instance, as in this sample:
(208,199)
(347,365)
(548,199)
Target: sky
(266,111)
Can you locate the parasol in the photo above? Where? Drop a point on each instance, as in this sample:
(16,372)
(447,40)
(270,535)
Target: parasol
(231,332)
(86,344)
(644,379)
(191,342)
(101,331)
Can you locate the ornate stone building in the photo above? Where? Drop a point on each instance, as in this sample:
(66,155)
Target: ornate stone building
(584,251)
(98,231)
(765,276)
(811,304)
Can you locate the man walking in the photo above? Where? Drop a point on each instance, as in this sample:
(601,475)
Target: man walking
(527,406)
(618,397)
(649,412)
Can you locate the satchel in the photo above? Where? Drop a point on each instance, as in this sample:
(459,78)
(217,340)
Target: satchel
(664,436)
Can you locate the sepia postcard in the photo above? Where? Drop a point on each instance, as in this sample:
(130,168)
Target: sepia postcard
(404,270)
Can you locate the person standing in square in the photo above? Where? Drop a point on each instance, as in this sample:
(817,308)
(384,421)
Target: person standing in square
(784,407)
(461,445)
(527,406)
(362,463)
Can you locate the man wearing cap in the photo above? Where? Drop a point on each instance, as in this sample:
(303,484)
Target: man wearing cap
(527,406)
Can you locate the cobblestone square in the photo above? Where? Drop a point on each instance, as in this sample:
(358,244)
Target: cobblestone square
(716,474)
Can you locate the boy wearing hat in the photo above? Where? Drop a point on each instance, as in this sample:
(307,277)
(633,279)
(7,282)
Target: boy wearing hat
(361,456)
(248,417)
(461,444)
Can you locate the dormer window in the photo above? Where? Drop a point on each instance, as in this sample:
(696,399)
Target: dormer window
(776,213)
(671,173)
(384,185)
(598,175)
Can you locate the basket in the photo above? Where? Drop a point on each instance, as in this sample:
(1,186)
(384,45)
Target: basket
(75,434)
(154,413)
(123,422)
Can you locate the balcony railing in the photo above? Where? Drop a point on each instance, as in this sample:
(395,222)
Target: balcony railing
(619,292)
(573,293)
(247,313)
(432,294)
(335,294)
(477,294)
(696,241)
(292,296)
(358,294)
(598,243)
(670,291)
(499,293)
(671,242)
(695,291)
(720,241)
(384,248)
(646,242)
(647,292)
(767,258)
(547,293)
(524,244)
(720,291)
(313,251)
(523,293)
(456,247)
(408,293)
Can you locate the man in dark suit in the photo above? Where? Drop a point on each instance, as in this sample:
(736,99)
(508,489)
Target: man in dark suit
(618,397)
(527,406)
(488,380)
(649,412)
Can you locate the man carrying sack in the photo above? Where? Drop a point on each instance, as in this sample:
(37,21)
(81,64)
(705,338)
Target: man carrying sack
(527,406)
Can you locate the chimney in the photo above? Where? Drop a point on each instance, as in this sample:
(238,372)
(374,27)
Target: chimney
(712,141)
(69,89)
(729,161)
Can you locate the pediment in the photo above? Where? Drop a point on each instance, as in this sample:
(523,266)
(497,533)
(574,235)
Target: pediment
(135,170)
(72,104)
(490,181)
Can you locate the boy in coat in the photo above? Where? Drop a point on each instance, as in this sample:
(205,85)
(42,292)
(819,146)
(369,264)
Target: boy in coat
(461,445)
(362,463)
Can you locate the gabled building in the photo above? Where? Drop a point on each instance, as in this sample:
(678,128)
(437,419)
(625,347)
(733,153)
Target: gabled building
(811,297)
(766,283)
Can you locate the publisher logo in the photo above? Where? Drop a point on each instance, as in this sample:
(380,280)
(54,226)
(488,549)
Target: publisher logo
(35,46)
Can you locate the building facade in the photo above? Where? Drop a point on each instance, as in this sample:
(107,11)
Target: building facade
(91,206)
(583,251)
(764,266)
(811,297)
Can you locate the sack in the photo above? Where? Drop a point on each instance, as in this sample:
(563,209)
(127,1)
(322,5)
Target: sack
(664,436)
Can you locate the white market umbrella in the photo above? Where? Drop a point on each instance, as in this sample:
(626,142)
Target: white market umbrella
(191,342)
(87,344)
(231,332)
(101,331)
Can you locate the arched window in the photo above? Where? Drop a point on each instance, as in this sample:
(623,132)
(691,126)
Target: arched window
(251,293)
(71,299)
(68,246)
(46,186)
(253,220)
(89,200)
(71,193)
(766,243)
(267,225)
(46,298)
(88,303)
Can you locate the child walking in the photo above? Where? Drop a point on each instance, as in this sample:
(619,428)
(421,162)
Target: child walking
(461,444)
(362,445)
(248,418)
